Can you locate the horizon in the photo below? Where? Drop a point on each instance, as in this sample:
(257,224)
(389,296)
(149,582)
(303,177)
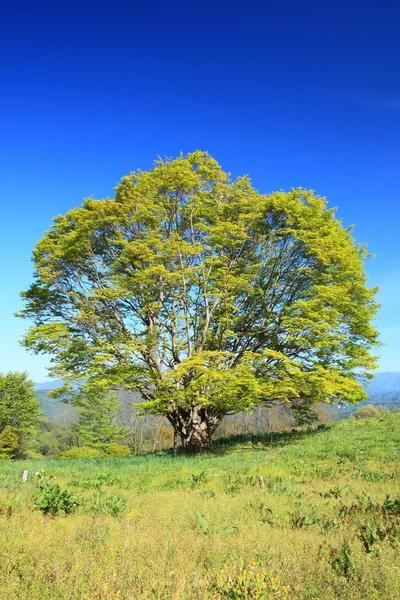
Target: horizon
(376,373)
(295,95)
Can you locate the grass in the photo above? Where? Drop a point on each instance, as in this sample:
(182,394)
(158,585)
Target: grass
(201,528)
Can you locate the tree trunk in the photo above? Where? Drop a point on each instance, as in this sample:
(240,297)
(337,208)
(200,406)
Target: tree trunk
(195,427)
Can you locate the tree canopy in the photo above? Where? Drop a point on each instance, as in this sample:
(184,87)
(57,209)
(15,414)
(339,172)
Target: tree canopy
(204,295)
(19,409)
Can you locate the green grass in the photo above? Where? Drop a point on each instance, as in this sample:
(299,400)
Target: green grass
(200,527)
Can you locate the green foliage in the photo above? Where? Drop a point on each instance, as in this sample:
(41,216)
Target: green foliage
(115,449)
(54,437)
(19,410)
(8,443)
(299,519)
(82,452)
(203,524)
(342,560)
(112,505)
(369,411)
(52,500)
(97,425)
(204,295)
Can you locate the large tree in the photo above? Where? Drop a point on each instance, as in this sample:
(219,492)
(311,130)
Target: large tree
(204,295)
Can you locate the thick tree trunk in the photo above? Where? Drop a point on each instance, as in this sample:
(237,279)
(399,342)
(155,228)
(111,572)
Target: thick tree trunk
(195,427)
(199,439)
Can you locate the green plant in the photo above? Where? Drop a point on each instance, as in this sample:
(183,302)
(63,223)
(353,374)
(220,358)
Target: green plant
(342,561)
(203,524)
(19,412)
(267,515)
(198,478)
(115,449)
(52,500)
(369,411)
(391,506)
(97,425)
(299,519)
(82,452)
(8,443)
(334,492)
(112,505)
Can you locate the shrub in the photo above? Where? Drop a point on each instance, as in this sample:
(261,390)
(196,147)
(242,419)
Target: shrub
(8,443)
(52,500)
(117,450)
(83,452)
(369,411)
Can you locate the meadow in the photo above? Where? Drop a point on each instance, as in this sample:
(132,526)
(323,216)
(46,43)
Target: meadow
(323,524)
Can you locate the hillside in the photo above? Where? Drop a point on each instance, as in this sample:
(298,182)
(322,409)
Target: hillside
(325,524)
(55,408)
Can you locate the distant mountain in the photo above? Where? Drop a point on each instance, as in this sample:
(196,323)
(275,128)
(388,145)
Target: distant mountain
(56,409)
(383,390)
(384,383)
(48,385)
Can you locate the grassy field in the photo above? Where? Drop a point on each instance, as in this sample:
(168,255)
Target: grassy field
(200,527)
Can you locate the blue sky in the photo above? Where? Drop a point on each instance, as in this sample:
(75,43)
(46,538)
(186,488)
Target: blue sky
(292,93)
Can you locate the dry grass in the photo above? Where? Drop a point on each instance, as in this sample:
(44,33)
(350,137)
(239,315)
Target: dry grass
(200,528)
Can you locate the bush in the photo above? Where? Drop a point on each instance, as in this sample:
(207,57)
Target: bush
(55,501)
(83,452)
(32,455)
(8,443)
(117,450)
(369,411)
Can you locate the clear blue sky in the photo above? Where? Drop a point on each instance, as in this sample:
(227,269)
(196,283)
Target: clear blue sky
(301,93)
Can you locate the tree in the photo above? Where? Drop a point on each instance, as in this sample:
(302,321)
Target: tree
(8,443)
(19,408)
(204,295)
(98,411)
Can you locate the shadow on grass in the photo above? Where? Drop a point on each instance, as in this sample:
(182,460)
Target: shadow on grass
(260,441)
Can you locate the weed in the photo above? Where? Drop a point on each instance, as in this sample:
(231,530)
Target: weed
(196,479)
(335,492)
(299,519)
(111,505)
(342,561)
(52,500)
(203,524)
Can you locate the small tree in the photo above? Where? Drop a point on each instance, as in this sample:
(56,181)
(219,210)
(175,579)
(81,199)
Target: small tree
(19,406)
(8,443)
(204,295)
(98,411)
